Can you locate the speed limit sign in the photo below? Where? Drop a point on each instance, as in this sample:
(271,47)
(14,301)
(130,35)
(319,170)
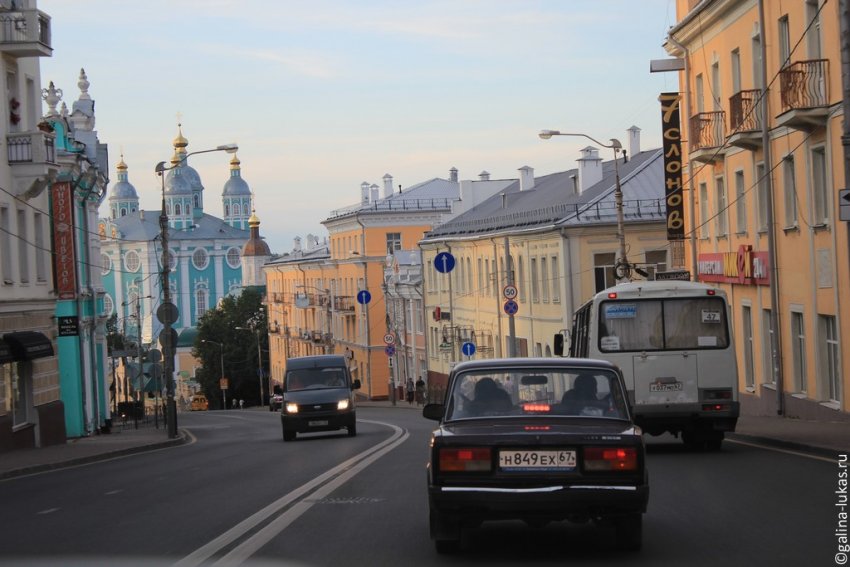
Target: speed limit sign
(389,338)
(510,292)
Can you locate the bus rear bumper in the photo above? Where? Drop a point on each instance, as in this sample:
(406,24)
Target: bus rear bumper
(702,416)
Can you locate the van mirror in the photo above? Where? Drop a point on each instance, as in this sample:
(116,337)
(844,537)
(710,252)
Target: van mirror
(356,384)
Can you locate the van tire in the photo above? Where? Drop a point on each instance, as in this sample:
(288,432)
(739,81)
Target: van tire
(288,435)
(352,428)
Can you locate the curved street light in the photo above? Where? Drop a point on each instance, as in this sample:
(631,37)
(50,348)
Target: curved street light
(622,268)
(169,345)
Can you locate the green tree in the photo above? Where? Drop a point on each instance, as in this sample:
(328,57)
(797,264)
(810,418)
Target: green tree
(239,348)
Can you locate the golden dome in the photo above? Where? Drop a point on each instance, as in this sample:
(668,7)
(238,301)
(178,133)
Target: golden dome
(180,141)
(234,163)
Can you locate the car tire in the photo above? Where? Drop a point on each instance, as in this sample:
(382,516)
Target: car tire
(629,532)
(445,532)
(288,435)
(352,428)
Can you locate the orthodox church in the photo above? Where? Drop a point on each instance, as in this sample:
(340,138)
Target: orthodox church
(205,252)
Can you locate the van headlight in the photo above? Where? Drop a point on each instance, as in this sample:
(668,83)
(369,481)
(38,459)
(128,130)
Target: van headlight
(342,405)
(291,407)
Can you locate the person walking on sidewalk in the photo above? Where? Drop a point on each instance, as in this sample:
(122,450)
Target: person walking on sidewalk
(420,391)
(411,389)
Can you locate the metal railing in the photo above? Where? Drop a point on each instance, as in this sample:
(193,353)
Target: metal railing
(745,111)
(804,84)
(30,147)
(343,303)
(25,26)
(395,205)
(708,130)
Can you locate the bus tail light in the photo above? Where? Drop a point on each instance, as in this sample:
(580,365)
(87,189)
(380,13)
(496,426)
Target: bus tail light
(465,459)
(725,394)
(610,458)
(612,295)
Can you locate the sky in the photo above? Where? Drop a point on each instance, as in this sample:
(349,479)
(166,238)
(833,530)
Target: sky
(322,95)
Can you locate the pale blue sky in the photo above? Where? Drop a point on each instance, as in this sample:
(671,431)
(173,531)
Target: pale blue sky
(322,95)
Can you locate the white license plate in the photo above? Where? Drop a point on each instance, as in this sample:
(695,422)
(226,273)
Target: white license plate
(318,423)
(674,387)
(561,461)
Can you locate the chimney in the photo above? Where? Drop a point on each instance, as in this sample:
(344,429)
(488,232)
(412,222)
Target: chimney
(589,168)
(296,244)
(484,176)
(634,140)
(388,185)
(308,245)
(375,193)
(453,175)
(526,178)
(364,193)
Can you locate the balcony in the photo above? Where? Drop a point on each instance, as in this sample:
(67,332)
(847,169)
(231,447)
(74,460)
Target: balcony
(32,158)
(344,304)
(25,33)
(805,96)
(745,119)
(708,132)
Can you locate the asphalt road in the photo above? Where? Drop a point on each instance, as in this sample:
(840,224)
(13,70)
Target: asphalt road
(239,495)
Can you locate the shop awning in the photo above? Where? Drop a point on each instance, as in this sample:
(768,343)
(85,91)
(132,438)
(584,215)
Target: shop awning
(28,345)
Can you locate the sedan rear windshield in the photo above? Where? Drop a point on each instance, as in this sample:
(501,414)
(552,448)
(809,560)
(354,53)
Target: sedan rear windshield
(314,379)
(537,392)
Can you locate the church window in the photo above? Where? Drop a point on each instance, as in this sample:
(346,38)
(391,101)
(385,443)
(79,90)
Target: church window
(234,257)
(105,264)
(227,209)
(132,262)
(200,302)
(197,200)
(200,258)
(236,210)
(123,212)
(177,210)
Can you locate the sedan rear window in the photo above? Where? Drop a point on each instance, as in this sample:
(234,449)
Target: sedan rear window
(533,392)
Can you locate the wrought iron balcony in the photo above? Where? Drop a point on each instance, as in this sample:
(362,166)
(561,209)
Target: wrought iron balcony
(707,133)
(344,303)
(745,119)
(25,33)
(32,157)
(805,95)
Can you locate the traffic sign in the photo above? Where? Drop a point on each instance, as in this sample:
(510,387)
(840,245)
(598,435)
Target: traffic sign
(444,262)
(389,350)
(154,355)
(363,297)
(844,205)
(389,338)
(510,291)
(511,307)
(168,340)
(223,384)
(167,313)
(468,349)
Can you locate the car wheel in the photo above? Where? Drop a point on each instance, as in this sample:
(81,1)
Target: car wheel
(629,532)
(445,531)
(288,435)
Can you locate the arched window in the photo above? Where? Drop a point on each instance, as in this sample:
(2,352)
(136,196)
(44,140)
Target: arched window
(200,258)
(177,209)
(227,209)
(200,302)
(123,212)
(236,210)
(197,200)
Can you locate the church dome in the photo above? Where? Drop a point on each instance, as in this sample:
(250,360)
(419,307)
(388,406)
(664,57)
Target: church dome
(255,246)
(122,191)
(176,184)
(235,186)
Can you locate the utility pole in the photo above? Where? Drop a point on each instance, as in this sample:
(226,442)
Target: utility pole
(509,268)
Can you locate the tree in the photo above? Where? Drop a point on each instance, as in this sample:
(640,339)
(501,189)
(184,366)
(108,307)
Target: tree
(239,348)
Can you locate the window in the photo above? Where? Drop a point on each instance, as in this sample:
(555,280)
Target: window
(819,187)
(715,86)
(480,277)
(749,365)
(105,264)
(740,203)
(544,279)
(556,280)
(700,94)
(757,70)
(798,350)
(784,41)
(5,245)
(196,199)
(132,261)
(768,367)
(236,209)
(656,261)
(813,36)
(40,248)
(829,361)
(227,209)
(736,70)
(200,258)
(721,221)
(23,247)
(790,185)
(234,257)
(393,242)
(108,305)
(703,210)
(535,284)
(603,271)
(177,210)
(16,393)
(761,179)
(200,302)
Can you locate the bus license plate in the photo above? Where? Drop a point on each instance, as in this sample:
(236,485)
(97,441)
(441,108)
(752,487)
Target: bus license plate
(520,461)
(674,387)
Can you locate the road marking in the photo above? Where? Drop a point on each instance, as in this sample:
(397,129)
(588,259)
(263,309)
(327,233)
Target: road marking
(296,501)
(112,492)
(786,451)
(48,511)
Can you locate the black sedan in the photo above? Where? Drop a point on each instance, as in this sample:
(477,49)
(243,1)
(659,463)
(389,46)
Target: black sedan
(536,439)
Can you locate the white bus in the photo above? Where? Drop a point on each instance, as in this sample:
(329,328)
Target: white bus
(673,342)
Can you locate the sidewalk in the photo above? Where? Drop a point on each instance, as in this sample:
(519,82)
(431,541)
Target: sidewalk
(822,438)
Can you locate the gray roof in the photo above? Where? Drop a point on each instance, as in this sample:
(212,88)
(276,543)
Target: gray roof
(144,225)
(122,191)
(434,194)
(320,253)
(553,200)
(177,183)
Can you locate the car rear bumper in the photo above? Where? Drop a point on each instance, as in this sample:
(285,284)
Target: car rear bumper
(555,502)
(318,422)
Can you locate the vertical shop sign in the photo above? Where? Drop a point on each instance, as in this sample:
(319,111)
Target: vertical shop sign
(63,240)
(672,145)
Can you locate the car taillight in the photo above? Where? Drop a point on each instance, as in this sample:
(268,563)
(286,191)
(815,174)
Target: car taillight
(715,407)
(610,458)
(465,459)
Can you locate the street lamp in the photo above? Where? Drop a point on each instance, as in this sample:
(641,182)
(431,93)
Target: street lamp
(168,310)
(622,268)
(221,364)
(256,328)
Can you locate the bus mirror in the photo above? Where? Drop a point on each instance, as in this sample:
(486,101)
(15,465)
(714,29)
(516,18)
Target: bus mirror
(558,345)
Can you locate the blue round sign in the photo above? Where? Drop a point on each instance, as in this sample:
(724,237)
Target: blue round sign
(363,297)
(468,349)
(511,307)
(444,262)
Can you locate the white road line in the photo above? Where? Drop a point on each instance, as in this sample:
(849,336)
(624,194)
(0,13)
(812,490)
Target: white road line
(778,450)
(48,511)
(113,492)
(334,478)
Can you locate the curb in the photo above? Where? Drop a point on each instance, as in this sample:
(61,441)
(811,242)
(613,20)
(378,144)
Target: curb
(813,450)
(45,467)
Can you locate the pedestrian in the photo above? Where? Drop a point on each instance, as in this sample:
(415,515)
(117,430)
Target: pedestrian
(411,390)
(241,404)
(420,391)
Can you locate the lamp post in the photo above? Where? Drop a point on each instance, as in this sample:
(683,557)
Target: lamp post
(168,310)
(622,268)
(221,365)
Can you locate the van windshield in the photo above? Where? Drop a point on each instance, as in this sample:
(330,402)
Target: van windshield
(314,379)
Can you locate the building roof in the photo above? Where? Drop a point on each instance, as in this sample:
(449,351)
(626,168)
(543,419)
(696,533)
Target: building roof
(433,194)
(144,225)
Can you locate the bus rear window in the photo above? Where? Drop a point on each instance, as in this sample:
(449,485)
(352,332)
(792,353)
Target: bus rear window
(663,324)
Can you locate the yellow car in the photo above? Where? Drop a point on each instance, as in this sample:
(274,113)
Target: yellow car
(200,403)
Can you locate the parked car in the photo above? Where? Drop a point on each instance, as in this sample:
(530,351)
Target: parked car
(536,439)
(275,402)
(318,395)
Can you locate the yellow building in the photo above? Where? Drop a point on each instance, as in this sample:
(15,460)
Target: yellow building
(561,234)
(743,197)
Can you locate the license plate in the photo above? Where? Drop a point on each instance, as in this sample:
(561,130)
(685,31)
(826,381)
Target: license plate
(318,423)
(674,387)
(518,461)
